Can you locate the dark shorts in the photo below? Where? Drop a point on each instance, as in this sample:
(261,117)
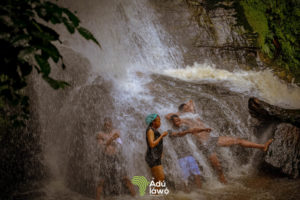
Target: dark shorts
(111,168)
(153,162)
(210,146)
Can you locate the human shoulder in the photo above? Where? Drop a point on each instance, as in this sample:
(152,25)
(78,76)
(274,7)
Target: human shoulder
(100,135)
(115,131)
(150,130)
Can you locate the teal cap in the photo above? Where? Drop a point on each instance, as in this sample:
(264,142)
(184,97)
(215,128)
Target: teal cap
(150,118)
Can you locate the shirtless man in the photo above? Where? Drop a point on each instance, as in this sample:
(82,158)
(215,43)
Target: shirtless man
(188,107)
(109,140)
(204,140)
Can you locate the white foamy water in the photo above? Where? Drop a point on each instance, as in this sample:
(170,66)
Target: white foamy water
(262,84)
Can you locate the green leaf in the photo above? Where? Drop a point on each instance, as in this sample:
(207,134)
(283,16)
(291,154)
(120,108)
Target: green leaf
(87,35)
(49,49)
(26,51)
(20,37)
(25,68)
(297,12)
(44,65)
(69,26)
(55,84)
(54,12)
(72,17)
(43,32)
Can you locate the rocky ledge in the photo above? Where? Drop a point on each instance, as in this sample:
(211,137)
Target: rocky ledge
(284,151)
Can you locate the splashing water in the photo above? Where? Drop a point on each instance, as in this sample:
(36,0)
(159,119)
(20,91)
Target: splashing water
(263,84)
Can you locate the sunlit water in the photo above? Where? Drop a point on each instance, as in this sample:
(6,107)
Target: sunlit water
(263,84)
(141,75)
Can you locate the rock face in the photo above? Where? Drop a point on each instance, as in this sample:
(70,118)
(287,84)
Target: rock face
(206,31)
(284,151)
(266,112)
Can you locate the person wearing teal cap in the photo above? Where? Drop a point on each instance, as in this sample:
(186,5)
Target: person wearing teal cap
(154,142)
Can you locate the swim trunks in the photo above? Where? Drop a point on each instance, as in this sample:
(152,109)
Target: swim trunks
(188,167)
(209,147)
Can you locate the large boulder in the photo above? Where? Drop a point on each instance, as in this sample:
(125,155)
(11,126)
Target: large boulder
(266,112)
(284,151)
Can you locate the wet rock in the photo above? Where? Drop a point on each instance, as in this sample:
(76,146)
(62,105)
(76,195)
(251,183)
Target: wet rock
(206,31)
(284,151)
(266,112)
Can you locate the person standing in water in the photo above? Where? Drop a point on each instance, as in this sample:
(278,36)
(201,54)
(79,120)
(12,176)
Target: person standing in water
(154,142)
(188,164)
(111,171)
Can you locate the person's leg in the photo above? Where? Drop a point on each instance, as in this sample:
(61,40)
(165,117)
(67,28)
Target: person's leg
(217,166)
(184,172)
(129,185)
(229,141)
(158,173)
(198,182)
(99,189)
(184,169)
(194,169)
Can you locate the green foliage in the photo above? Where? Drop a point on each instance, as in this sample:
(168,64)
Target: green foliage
(258,22)
(27,43)
(277,25)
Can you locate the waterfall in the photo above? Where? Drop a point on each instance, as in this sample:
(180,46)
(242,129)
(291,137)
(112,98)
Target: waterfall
(141,69)
(262,84)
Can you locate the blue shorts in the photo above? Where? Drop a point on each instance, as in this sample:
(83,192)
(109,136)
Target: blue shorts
(188,167)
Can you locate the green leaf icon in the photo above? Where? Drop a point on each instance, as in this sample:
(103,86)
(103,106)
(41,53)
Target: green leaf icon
(141,182)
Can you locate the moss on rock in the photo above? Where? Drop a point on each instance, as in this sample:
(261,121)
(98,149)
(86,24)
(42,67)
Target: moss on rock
(277,25)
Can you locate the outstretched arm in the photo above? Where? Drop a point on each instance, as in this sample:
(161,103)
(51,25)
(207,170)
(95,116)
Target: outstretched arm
(179,134)
(190,131)
(199,130)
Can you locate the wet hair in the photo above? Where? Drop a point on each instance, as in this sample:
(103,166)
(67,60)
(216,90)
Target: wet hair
(181,106)
(107,119)
(173,116)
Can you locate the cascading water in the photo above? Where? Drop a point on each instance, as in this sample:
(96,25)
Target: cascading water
(135,73)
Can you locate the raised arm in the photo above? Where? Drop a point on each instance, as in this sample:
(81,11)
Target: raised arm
(112,138)
(168,116)
(191,104)
(150,137)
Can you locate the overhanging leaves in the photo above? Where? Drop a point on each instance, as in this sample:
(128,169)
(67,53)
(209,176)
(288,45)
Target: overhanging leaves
(44,65)
(25,35)
(87,35)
